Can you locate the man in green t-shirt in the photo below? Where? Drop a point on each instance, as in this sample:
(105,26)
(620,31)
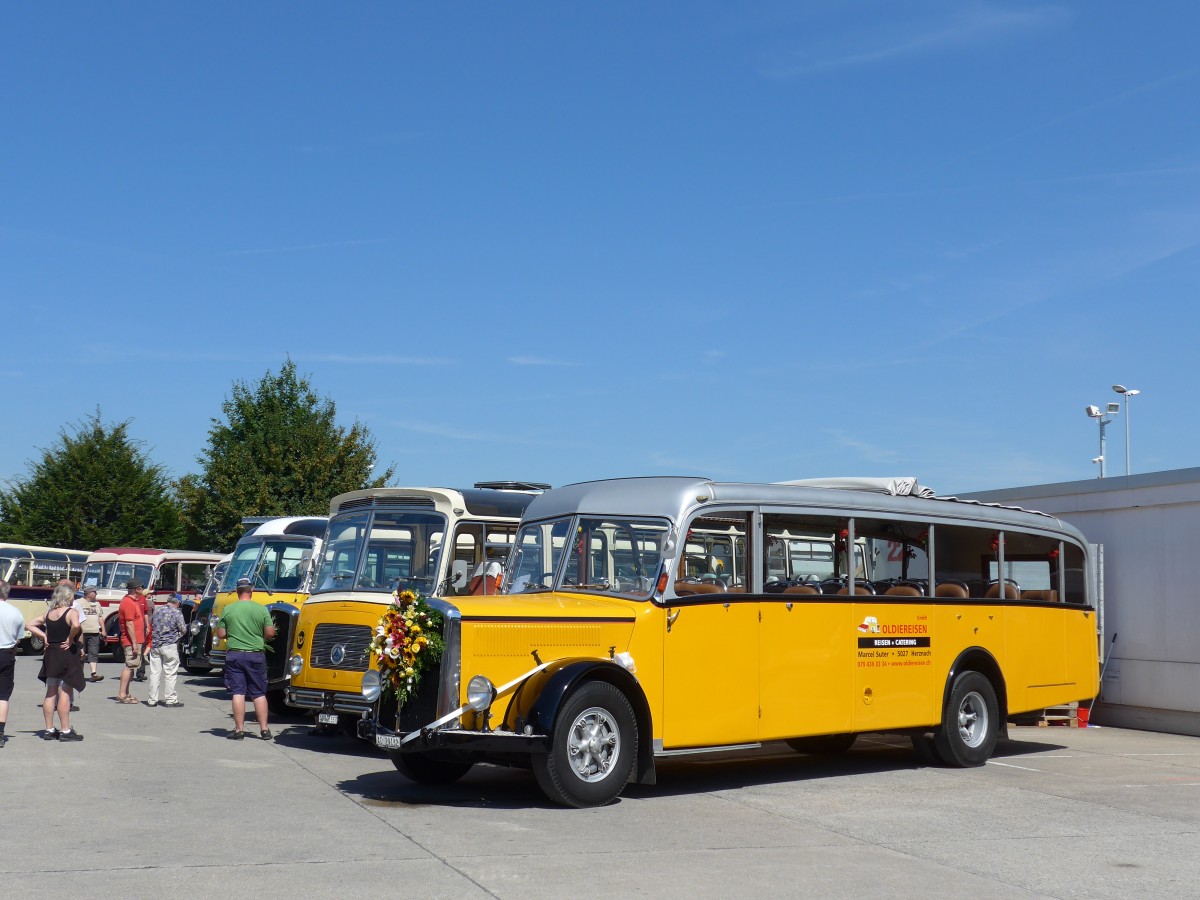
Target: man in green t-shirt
(246,627)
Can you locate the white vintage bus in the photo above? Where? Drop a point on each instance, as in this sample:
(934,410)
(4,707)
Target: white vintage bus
(163,572)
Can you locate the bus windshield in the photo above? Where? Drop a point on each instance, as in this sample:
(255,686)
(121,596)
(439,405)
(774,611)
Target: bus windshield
(116,574)
(385,551)
(272,564)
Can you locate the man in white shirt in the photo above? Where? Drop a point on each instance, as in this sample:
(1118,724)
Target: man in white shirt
(12,632)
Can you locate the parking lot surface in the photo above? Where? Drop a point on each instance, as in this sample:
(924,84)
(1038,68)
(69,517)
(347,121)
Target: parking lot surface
(157,800)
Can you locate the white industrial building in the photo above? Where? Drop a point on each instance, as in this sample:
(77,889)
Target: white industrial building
(1147,528)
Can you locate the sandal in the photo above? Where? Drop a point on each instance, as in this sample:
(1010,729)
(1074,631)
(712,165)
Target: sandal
(129,701)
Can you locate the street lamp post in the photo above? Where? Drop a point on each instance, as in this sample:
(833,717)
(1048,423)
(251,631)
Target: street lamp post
(1126,393)
(1100,415)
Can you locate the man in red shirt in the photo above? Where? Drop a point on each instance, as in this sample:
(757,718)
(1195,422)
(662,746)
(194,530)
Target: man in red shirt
(142,595)
(131,621)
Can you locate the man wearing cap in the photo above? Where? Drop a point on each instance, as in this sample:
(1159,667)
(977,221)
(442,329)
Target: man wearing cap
(167,626)
(89,622)
(132,622)
(246,627)
(12,632)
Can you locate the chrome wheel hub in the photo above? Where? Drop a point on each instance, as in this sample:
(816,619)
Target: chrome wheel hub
(972,720)
(593,744)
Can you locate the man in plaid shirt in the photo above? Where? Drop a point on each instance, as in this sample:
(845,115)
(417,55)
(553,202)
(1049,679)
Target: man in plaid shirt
(167,629)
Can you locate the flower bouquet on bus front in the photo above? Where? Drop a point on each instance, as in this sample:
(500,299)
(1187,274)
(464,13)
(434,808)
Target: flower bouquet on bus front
(407,642)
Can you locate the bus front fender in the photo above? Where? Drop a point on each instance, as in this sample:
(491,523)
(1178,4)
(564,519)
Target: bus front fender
(536,703)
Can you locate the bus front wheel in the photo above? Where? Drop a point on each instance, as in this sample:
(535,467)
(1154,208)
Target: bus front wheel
(592,749)
(970,723)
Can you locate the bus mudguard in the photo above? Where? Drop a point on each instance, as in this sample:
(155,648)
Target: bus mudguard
(535,704)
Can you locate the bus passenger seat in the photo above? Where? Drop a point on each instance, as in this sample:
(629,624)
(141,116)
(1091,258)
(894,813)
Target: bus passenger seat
(685,587)
(801,589)
(859,588)
(1050,596)
(903,590)
(954,589)
(1011,591)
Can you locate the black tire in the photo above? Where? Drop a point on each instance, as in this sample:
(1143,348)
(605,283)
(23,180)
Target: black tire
(604,762)
(118,652)
(823,745)
(970,722)
(925,749)
(276,703)
(425,768)
(34,645)
(197,670)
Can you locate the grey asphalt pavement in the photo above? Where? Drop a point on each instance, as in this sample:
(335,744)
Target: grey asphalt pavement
(157,800)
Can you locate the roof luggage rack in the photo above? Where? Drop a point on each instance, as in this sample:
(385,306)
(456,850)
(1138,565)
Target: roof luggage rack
(512,486)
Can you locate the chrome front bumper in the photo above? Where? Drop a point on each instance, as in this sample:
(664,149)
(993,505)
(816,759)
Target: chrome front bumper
(328,701)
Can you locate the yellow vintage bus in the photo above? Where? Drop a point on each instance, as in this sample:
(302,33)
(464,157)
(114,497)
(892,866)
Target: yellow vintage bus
(279,557)
(650,617)
(429,540)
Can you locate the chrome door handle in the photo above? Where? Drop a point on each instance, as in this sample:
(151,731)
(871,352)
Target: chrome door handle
(671,617)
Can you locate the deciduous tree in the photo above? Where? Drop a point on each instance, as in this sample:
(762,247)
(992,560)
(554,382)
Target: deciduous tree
(277,450)
(95,487)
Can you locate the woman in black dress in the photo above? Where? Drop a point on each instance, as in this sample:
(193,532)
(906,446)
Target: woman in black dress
(62,669)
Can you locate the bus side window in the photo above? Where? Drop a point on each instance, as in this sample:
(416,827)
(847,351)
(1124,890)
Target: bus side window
(802,552)
(1033,563)
(898,555)
(962,556)
(168,577)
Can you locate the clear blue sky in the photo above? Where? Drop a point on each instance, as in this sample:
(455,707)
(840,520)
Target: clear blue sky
(564,241)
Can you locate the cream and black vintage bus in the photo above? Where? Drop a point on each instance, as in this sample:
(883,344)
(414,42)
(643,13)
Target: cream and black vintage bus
(279,557)
(382,540)
(650,617)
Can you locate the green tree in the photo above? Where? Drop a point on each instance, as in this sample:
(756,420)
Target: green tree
(94,488)
(278,451)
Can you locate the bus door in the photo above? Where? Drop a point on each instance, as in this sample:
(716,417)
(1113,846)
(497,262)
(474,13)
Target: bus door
(807,639)
(1036,629)
(894,639)
(710,684)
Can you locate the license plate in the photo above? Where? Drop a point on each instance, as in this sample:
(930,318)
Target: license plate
(388,741)
(327,718)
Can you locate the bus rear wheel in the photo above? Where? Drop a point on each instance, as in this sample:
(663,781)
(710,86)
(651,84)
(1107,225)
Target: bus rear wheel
(424,768)
(34,645)
(592,749)
(970,722)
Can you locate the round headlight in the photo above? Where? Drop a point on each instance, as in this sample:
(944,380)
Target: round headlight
(295,664)
(372,685)
(480,693)
(194,628)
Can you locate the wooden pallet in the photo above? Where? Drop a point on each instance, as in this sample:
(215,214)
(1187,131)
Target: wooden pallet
(1061,715)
